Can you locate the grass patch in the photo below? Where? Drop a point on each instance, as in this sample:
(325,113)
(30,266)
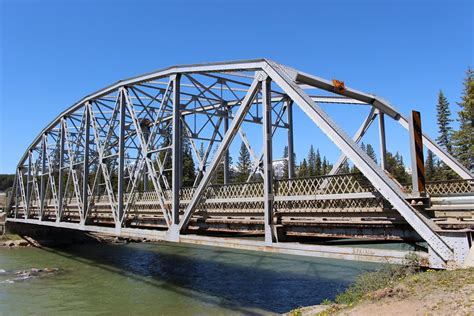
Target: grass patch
(10,237)
(443,279)
(388,276)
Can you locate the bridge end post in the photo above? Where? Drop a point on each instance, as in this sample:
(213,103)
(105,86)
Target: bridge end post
(461,242)
(267,161)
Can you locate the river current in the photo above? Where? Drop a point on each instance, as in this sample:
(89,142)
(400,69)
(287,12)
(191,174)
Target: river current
(165,279)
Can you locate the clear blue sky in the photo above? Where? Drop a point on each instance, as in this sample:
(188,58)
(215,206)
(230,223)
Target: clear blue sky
(55,52)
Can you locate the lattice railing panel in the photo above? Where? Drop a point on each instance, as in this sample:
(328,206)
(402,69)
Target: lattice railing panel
(337,184)
(450,187)
(444,187)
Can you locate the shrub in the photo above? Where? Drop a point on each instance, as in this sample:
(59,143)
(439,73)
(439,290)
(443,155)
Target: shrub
(372,281)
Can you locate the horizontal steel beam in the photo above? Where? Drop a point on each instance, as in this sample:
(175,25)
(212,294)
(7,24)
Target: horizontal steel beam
(319,251)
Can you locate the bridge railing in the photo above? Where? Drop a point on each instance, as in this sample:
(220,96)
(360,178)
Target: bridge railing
(444,187)
(342,192)
(333,184)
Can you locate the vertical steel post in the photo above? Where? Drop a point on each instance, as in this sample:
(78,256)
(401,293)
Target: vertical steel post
(226,155)
(85,170)
(383,147)
(121,165)
(177,156)
(28,187)
(60,172)
(417,160)
(181,146)
(146,135)
(267,160)
(17,179)
(99,178)
(291,154)
(43,173)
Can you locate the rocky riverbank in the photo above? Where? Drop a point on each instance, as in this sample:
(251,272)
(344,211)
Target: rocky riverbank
(17,241)
(25,235)
(12,240)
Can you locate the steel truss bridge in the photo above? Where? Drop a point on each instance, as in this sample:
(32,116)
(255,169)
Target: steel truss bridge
(113,163)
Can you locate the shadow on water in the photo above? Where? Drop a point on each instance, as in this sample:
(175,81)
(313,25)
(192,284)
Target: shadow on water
(377,244)
(237,280)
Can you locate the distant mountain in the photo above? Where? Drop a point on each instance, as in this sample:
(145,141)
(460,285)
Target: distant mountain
(279,168)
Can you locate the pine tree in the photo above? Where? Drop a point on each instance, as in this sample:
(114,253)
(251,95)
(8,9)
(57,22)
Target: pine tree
(371,152)
(219,173)
(430,167)
(463,139)
(344,168)
(324,166)
(317,164)
(189,169)
(311,161)
(396,167)
(303,170)
(444,119)
(243,164)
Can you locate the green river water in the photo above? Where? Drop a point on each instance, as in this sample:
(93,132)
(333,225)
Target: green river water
(166,279)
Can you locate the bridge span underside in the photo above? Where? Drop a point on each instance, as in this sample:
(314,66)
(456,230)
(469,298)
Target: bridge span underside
(113,163)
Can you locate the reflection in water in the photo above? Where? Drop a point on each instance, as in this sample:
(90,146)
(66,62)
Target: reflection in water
(171,279)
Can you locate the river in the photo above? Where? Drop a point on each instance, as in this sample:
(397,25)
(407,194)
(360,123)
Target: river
(166,279)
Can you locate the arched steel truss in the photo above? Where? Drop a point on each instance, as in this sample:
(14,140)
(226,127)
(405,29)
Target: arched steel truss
(118,142)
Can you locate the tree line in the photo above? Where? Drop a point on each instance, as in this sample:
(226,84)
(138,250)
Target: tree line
(458,142)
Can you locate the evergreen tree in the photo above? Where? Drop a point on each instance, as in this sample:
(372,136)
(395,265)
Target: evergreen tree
(189,169)
(344,168)
(317,164)
(324,167)
(6,181)
(311,161)
(243,164)
(430,167)
(354,169)
(396,167)
(219,173)
(303,170)
(371,152)
(463,139)
(444,119)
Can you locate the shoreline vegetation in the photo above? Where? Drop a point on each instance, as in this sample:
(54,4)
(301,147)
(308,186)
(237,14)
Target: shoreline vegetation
(402,290)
